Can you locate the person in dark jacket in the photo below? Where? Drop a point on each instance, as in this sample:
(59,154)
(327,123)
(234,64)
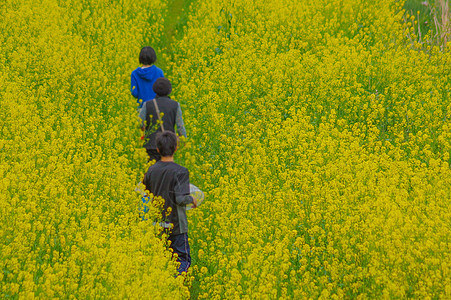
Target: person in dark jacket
(143,78)
(170,181)
(169,112)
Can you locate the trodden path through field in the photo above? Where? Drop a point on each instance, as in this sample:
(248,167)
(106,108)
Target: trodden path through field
(175,18)
(173,22)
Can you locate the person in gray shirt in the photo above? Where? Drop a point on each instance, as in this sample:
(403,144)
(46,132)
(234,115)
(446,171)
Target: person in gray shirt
(170,181)
(164,108)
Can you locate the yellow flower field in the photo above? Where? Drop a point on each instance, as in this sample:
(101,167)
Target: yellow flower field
(322,135)
(319,131)
(69,153)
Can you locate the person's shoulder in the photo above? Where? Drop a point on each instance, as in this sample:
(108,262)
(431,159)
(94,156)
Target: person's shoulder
(148,173)
(144,107)
(155,70)
(173,102)
(151,168)
(135,70)
(158,165)
(168,99)
(159,70)
(180,168)
(156,168)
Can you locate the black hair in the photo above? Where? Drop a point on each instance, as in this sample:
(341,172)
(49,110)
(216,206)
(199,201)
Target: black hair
(162,86)
(166,143)
(147,56)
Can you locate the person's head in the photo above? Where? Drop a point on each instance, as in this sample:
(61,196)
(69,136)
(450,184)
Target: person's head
(166,143)
(147,56)
(162,87)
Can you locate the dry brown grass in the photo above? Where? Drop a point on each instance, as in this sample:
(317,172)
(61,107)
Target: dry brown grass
(442,22)
(433,30)
(441,16)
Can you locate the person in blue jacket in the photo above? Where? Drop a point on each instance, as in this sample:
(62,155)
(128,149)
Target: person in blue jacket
(143,78)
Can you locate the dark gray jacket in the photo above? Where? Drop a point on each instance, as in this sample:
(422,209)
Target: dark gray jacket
(172,115)
(171,182)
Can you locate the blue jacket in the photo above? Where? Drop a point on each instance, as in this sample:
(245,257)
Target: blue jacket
(142,81)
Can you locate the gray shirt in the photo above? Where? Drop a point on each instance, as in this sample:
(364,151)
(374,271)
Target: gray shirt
(171,182)
(178,118)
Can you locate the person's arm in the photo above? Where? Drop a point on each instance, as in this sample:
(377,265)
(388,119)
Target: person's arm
(134,86)
(142,115)
(181,189)
(146,182)
(179,122)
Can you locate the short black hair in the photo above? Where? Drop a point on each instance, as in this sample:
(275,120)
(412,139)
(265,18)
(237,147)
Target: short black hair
(147,56)
(166,143)
(162,86)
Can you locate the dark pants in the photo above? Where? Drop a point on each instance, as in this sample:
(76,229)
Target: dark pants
(153,154)
(179,245)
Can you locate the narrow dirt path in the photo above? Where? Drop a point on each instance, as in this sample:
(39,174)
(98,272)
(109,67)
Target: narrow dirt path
(175,12)
(176,18)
